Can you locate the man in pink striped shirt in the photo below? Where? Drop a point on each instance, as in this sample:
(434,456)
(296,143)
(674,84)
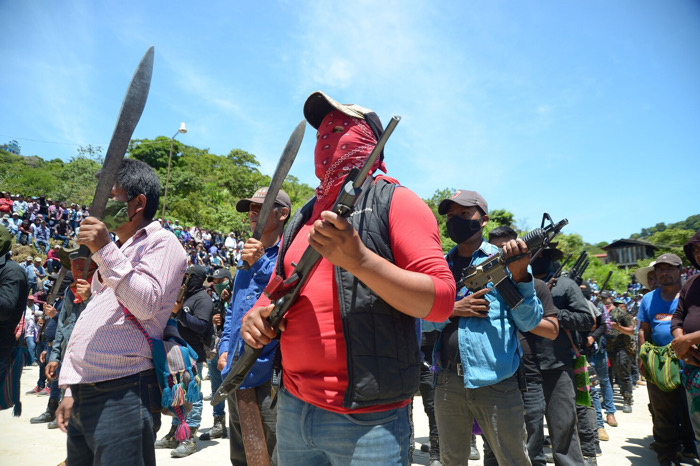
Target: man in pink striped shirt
(112,391)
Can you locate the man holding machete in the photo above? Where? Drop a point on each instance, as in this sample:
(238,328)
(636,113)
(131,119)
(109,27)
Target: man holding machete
(108,367)
(350,347)
(247,286)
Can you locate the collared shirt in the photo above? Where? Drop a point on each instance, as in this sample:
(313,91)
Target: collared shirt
(42,234)
(144,275)
(30,271)
(488,347)
(247,287)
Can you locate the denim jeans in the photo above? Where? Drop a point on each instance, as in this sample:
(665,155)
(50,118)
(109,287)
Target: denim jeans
(65,240)
(606,392)
(215,379)
(310,435)
(40,347)
(533,401)
(42,246)
(498,409)
(31,347)
(268,415)
(111,421)
(194,417)
(595,402)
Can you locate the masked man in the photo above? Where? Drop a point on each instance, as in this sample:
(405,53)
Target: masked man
(479,349)
(108,366)
(350,349)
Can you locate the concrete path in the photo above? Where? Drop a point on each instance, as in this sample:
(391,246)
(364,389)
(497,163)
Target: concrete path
(23,443)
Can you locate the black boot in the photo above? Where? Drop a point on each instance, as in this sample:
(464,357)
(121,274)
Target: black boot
(627,403)
(217,431)
(48,415)
(474,452)
(434,451)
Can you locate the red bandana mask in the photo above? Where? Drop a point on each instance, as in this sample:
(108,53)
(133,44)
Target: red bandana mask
(343,143)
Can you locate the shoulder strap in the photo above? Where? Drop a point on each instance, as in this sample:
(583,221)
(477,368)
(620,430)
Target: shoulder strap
(573,346)
(136,322)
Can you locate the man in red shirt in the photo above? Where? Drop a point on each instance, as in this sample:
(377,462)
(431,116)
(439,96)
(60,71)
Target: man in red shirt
(350,348)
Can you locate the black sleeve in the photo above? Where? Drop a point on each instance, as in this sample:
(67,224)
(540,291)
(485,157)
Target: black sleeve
(196,313)
(600,330)
(12,282)
(573,310)
(542,292)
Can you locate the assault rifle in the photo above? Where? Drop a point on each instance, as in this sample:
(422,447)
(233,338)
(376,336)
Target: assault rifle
(553,281)
(578,275)
(493,269)
(283,293)
(577,265)
(605,283)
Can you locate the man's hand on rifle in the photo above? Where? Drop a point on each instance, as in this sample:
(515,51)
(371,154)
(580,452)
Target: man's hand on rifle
(255,329)
(252,251)
(93,234)
(474,305)
(216,320)
(337,241)
(50,311)
(518,268)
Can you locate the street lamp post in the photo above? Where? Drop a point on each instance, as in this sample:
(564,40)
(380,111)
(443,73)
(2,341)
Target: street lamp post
(182,130)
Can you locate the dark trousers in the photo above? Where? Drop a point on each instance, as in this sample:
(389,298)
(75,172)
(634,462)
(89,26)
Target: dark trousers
(672,428)
(269,421)
(621,363)
(560,396)
(534,403)
(111,422)
(427,393)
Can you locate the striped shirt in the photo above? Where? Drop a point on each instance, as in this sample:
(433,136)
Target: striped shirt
(144,275)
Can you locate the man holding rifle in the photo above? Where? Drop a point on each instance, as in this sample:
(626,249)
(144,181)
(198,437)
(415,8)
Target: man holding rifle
(479,351)
(248,285)
(350,353)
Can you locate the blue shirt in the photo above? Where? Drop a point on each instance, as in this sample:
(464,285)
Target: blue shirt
(42,234)
(247,287)
(489,348)
(657,312)
(30,271)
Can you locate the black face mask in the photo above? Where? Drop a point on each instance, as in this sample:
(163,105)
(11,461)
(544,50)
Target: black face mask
(459,229)
(541,265)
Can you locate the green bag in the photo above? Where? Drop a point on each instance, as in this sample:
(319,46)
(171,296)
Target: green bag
(583,381)
(663,368)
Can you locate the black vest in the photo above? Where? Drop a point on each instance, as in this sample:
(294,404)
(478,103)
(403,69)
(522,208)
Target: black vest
(383,359)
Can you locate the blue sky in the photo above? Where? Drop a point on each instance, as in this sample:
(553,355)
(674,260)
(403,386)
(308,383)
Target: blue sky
(586,110)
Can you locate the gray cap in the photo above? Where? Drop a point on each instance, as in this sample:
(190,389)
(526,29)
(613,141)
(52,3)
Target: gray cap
(259,197)
(464,198)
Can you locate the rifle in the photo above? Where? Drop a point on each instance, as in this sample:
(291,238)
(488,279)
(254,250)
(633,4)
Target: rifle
(577,265)
(555,230)
(605,283)
(552,281)
(578,278)
(493,269)
(283,293)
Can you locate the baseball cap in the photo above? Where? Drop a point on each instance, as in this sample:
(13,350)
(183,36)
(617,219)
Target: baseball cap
(605,294)
(37,259)
(259,197)
(318,105)
(464,198)
(670,259)
(220,273)
(29,258)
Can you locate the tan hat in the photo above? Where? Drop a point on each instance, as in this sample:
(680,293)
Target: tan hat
(259,197)
(37,259)
(29,258)
(641,275)
(318,105)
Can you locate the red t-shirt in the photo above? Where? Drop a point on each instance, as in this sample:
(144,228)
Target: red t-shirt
(313,345)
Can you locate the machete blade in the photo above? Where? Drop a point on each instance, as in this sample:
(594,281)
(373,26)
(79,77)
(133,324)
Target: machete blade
(285,163)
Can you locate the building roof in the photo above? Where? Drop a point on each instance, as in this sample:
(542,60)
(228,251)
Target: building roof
(621,243)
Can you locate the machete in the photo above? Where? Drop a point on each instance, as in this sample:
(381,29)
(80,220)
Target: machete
(285,163)
(129,115)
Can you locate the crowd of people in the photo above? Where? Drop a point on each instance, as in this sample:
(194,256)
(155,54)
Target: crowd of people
(376,322)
